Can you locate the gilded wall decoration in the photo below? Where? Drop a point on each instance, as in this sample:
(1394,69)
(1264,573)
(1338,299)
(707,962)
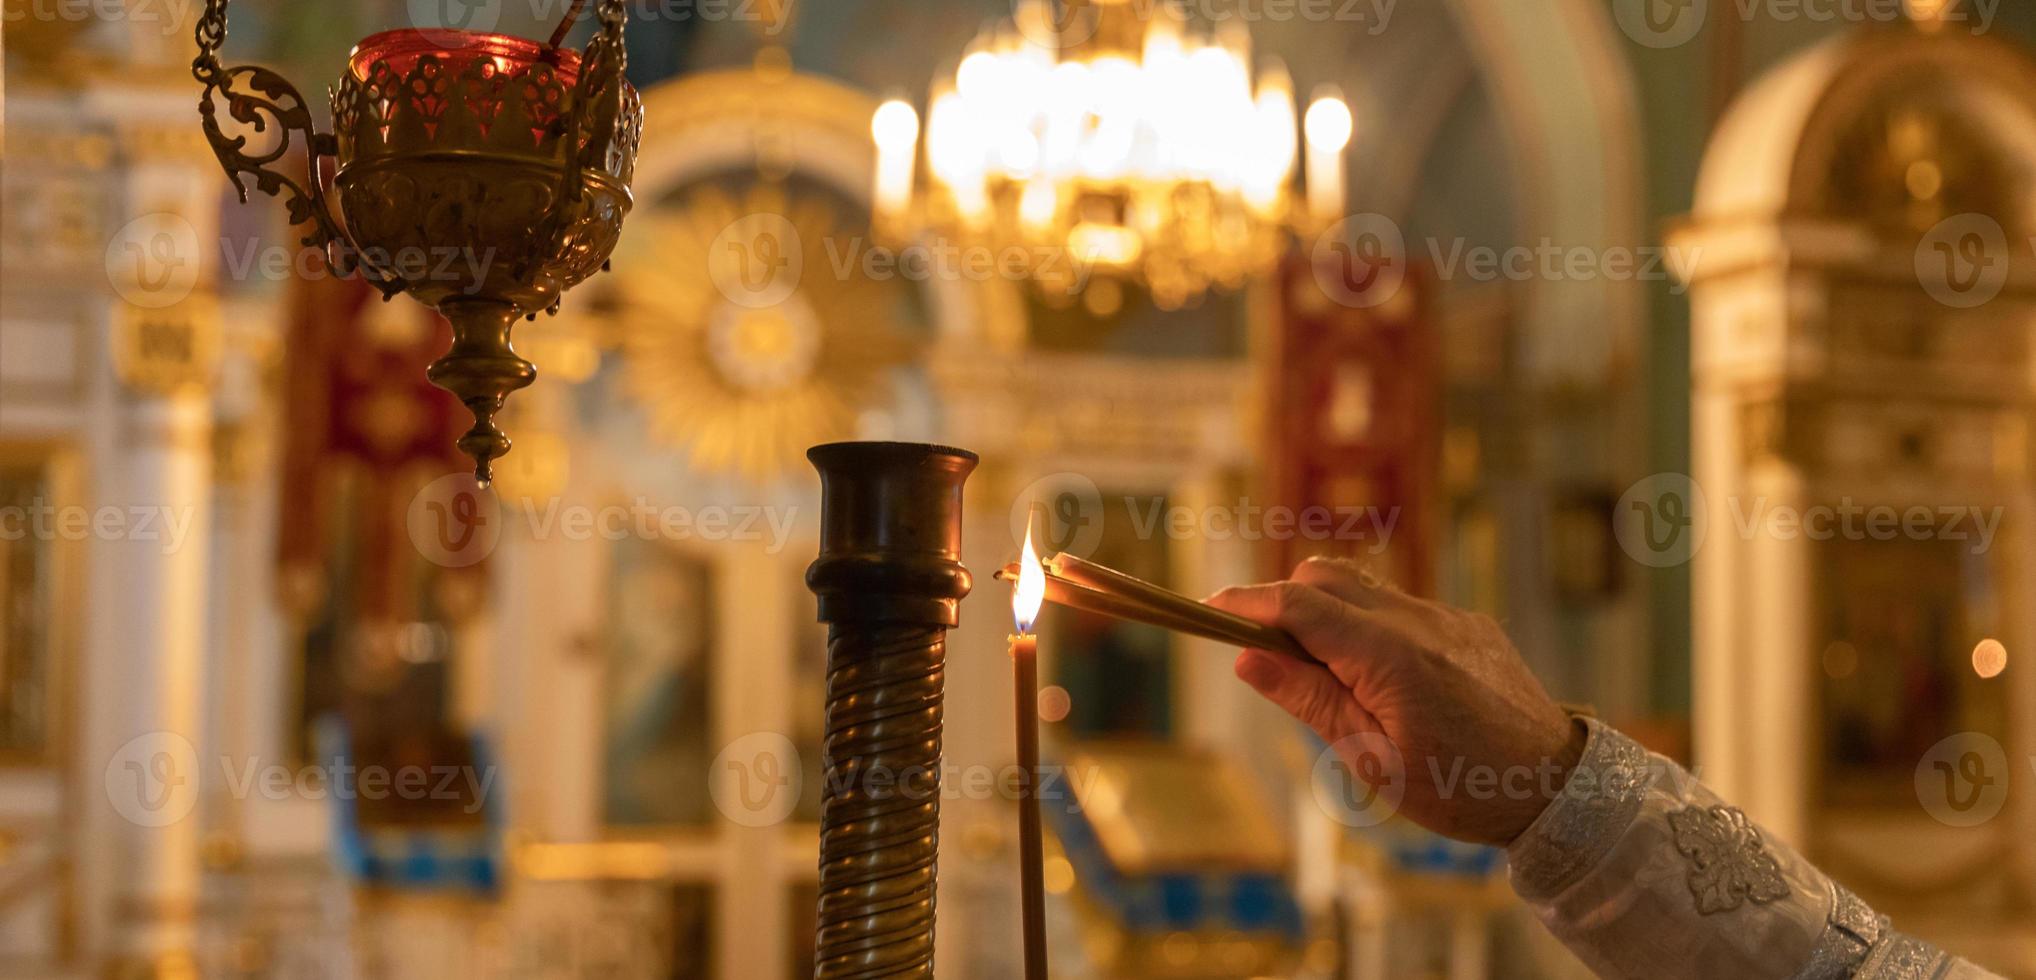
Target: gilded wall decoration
(752,328)
(37,603)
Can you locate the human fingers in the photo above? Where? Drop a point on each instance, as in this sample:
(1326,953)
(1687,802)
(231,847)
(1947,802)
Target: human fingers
(1306,691)
(1349,580)
(1347,639)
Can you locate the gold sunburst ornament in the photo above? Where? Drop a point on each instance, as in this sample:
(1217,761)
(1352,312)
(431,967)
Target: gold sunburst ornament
(746,337)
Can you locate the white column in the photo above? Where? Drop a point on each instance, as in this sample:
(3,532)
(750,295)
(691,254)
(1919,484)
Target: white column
(1213,704)
(752,694)
(144,640)
(142,763)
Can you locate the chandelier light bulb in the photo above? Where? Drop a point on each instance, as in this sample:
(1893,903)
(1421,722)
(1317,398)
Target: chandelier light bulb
(895,128)
(1327,126)
(1328,123)
(895,125)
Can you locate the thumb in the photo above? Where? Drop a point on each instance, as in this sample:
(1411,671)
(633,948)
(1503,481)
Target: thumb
(1307,691)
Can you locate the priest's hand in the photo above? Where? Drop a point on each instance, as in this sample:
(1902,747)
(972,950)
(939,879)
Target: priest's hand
(1430,704)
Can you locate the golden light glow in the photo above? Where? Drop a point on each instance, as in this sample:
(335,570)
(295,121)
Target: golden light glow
(1054,703)
(1329,124)
(1155,143)
(1031,589)
(895,128)
(1058,875)
(1989,658)
(895,125)
(1929,14)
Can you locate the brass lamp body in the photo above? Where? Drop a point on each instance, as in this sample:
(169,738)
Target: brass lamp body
(483,174)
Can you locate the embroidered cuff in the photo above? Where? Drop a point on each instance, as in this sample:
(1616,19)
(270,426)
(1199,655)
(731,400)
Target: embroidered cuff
(1900,957)
(1597,804)
(1848,936)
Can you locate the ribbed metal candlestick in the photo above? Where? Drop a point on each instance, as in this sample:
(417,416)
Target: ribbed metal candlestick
(889,580)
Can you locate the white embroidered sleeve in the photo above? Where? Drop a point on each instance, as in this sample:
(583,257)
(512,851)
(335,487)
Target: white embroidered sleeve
(1647,875)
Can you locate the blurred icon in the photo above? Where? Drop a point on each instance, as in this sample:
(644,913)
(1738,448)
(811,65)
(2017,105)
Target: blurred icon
(1661,23)
(1963,261)
(1662,520)
(153,261)
(479,16)
(1963,780)
(1066,509)
(1359,780)
(756,260)
(454,522)
(1361,261)
(1057,24)
(755,781)
(152,781)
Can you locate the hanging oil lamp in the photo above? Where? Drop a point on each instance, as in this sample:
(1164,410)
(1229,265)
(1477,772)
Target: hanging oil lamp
(483,174)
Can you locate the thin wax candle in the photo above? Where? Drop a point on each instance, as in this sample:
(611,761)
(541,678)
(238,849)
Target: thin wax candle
(1025,602)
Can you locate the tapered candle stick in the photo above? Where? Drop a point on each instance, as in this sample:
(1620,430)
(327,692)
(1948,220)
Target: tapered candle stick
(1025,601)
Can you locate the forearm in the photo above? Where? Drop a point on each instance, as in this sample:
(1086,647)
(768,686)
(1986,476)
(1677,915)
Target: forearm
(1646,874)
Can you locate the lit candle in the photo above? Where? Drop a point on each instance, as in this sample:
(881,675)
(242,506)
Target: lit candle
(1270,170)
(1327,127)
(955,155)
(895,128)
(1026,597)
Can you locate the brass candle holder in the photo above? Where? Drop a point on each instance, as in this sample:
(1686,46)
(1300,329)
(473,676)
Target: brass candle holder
(889,581)
(483,174)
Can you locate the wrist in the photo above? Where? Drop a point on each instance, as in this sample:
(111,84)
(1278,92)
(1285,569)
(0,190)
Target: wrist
(1555,770)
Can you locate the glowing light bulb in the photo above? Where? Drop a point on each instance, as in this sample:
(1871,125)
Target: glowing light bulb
(1328,124)
(894,125)
(976,78)
(895,128)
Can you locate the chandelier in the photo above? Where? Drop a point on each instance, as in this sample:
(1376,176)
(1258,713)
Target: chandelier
(1106,137)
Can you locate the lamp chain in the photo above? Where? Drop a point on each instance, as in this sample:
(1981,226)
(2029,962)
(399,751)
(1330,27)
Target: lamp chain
(211,32)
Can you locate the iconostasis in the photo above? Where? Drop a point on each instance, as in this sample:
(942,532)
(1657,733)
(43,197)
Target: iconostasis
(1844,366)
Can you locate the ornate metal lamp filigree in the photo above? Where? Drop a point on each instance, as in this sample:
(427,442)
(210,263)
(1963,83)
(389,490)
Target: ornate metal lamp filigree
(483,174)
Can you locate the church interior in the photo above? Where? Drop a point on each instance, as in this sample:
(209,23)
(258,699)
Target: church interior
(341,638)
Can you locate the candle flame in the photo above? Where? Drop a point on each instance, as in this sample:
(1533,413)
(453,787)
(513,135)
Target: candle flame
(1031,589)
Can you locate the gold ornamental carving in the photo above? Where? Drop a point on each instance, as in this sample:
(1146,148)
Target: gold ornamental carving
(170,349)
(743,339)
